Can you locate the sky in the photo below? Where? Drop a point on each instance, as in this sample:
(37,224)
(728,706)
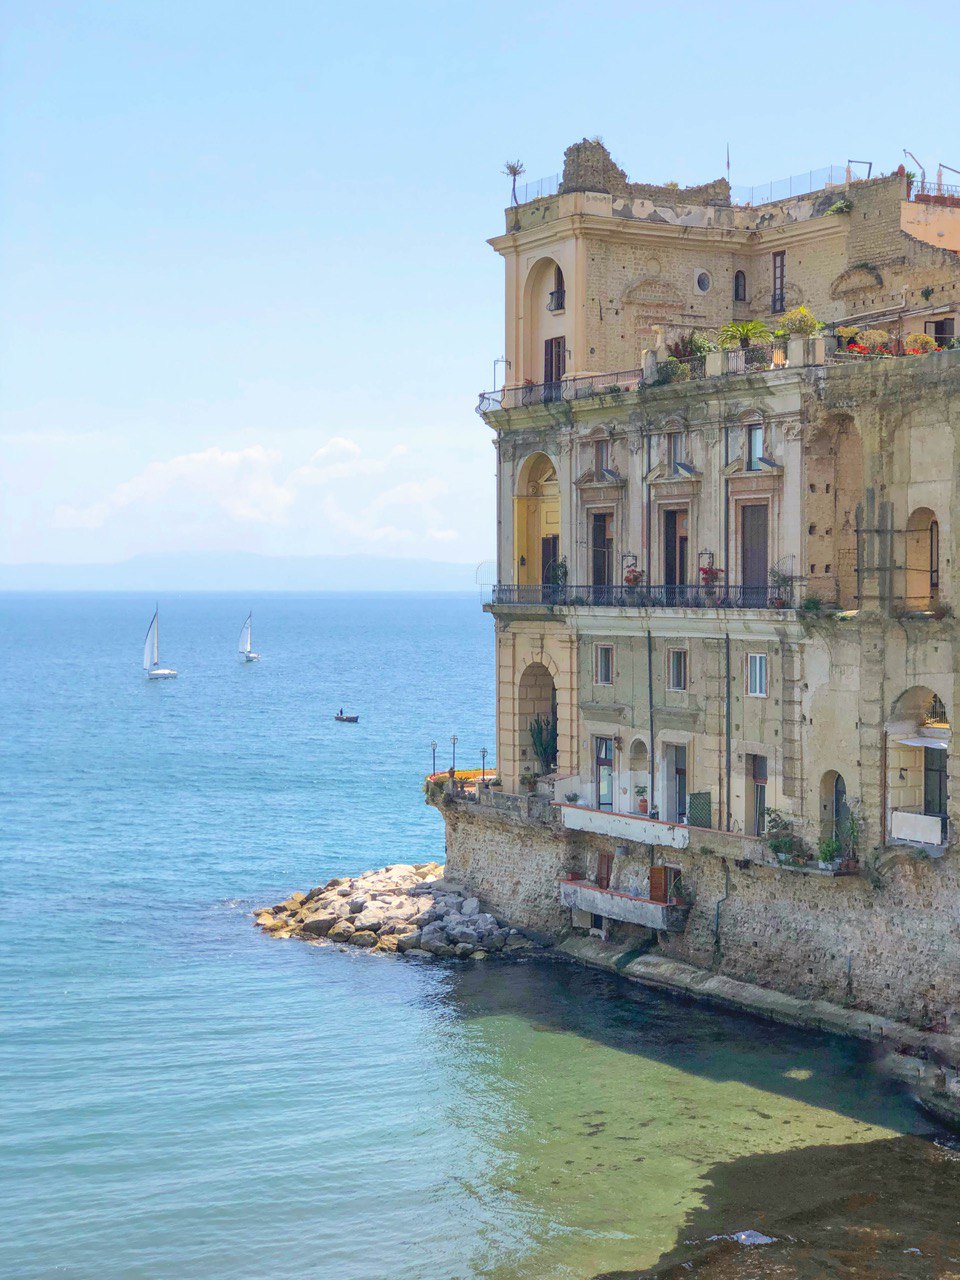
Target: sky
(247,300)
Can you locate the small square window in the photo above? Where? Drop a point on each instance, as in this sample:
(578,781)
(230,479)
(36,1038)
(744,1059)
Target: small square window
(603,664)
(677,670)
(757,675)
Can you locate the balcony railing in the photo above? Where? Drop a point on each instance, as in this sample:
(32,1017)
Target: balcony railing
(695,596)
(557,300)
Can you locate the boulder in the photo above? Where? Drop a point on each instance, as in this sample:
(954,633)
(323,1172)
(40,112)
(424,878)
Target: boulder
(443,951)
(460,935)
(319,926)
(484,923)
(480,954)
(408,941)
(517,943)
(470,907)
(264,918)
(463,949)
(370,918)
(495,941)
(342,931)
(434,932)
(345,890)
(295,899)
(388,942)
(363,938)
(357,903)
(416,954)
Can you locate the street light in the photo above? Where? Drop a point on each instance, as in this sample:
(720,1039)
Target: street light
(433,748)
(483,764)
(453,743)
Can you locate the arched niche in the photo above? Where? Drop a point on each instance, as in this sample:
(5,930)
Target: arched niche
(537,549)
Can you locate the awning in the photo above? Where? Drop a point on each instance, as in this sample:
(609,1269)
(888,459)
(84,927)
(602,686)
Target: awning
(937,743)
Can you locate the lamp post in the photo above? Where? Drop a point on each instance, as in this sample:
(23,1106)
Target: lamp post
(433,748)
(483,764)
(453,743)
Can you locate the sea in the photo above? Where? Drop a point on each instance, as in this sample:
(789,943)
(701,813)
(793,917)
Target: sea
(184,1098)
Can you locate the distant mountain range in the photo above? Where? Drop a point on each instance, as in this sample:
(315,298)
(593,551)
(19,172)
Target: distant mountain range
(241,571)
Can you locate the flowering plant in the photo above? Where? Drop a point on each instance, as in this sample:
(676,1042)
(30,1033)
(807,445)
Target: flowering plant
(633,576)
(710,574)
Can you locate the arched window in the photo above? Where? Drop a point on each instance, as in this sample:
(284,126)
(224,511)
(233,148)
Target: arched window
(740,287)
(558,295)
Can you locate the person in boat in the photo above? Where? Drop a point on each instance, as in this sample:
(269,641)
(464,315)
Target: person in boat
(340,712)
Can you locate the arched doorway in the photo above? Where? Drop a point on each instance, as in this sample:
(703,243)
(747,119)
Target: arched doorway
(639,776)
(537,719)
(923,560)
(537,523)
(834,809)
(918,747)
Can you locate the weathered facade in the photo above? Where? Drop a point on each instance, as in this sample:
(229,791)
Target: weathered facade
(726,658)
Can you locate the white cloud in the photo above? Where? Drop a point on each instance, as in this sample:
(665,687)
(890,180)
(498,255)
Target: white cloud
(341,498)
(239,483)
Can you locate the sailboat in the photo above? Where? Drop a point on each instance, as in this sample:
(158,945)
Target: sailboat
(246,643)
(151,652)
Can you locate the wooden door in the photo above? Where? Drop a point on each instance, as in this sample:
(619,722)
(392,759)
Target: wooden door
(604,870)
(754,559)
(658,884)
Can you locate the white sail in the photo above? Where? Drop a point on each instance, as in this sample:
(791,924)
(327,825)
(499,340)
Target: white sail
(245,638)
(151,646)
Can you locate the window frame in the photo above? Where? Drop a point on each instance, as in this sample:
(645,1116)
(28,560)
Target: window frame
(597,672)
(754,432)
(678,688)
(739,286)
(762,665)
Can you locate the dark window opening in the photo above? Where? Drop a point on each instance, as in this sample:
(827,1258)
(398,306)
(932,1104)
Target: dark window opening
(778,301)
(556,300)
(740,287)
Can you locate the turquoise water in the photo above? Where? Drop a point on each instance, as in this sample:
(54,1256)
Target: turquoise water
(184,1097)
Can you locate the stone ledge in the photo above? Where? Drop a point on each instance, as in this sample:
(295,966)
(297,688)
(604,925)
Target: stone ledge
(675,975)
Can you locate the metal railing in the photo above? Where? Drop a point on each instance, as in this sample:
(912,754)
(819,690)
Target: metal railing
(772,355)
(533,393)
(782,595)
(557,300)
(931,191)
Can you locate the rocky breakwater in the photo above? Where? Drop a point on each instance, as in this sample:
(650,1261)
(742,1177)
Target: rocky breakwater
(409,910)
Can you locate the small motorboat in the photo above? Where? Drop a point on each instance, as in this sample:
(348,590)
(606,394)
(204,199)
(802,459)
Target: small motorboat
(151,652)
(342,719)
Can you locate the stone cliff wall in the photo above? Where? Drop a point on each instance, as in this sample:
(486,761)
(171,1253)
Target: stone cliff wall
(893,951)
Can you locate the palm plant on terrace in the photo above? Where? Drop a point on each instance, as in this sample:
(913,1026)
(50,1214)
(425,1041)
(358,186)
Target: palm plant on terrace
(513,169)
(744,333)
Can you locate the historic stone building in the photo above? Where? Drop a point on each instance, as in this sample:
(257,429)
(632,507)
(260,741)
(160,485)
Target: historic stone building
(726,657)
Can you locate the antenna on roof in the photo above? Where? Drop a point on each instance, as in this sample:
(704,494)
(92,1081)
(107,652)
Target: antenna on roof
(868,163)
(923,172)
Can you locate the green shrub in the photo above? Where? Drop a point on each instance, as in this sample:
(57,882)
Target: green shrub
(800,322)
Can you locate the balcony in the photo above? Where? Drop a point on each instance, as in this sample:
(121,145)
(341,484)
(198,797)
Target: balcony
(552,595)
(557,300)
(581,895)
(625,826)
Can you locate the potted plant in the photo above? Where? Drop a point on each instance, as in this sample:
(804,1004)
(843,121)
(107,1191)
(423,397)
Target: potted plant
(710,575)
(528,779)
(641,793)
(744,334)
(572,797)
(779,589)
